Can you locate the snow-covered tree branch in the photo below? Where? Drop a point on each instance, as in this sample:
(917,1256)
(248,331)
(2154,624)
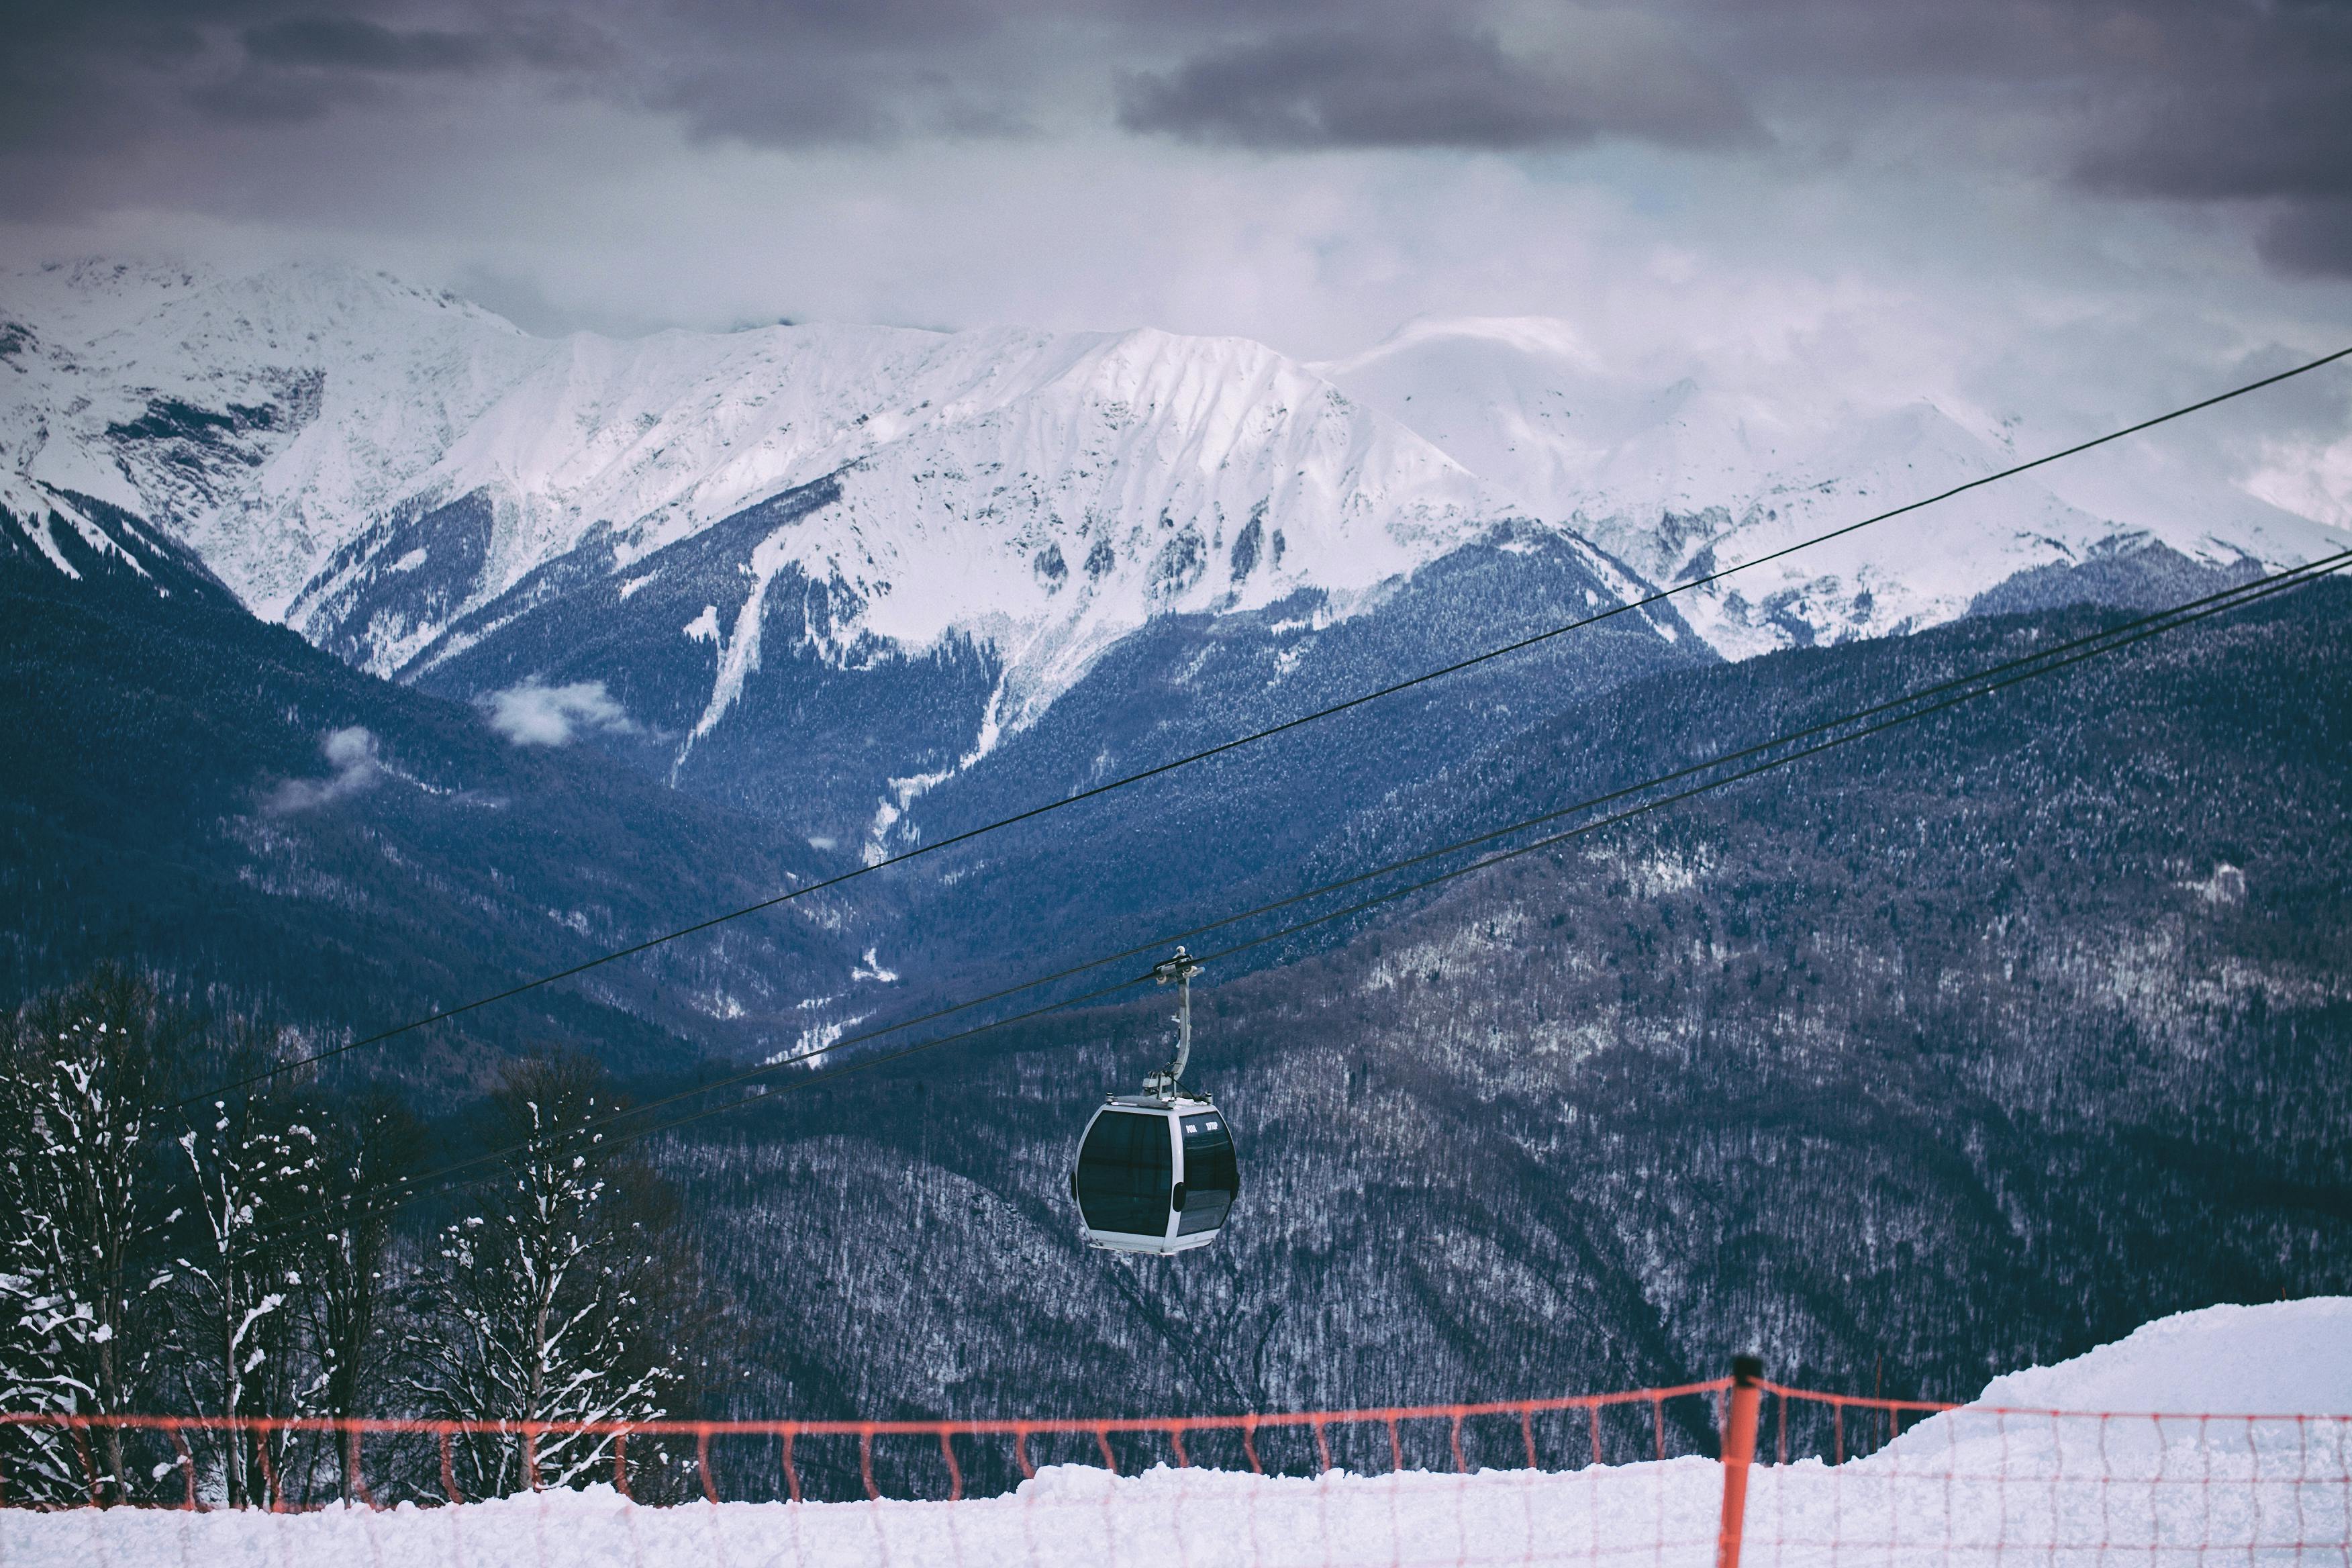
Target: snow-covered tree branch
(79,1086)
(556,1288)
(258,1226)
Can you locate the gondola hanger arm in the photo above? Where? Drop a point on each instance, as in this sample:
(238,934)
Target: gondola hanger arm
(1179,968)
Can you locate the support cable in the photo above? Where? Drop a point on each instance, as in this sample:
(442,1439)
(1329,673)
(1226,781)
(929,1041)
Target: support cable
(1252,738)
(1946,694)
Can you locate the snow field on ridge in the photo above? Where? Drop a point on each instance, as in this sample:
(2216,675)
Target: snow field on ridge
(421,398)
(1977,1486)
(965,456)
(1728,463)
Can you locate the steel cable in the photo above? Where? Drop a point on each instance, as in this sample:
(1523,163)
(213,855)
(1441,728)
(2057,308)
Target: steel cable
(1937,697)
(1237,743)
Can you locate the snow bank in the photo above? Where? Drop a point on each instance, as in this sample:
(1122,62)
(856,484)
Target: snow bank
(2240,1473)
(1067,1515)
(2284,1358)
(2224,1430)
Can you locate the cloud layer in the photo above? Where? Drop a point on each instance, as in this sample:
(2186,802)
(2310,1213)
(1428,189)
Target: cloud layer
(351,754)
(531,714)
(1431,82)
(1307,173)
(2192,100)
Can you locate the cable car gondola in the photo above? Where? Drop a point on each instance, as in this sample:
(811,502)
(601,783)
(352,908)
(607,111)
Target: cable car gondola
(1156,1171)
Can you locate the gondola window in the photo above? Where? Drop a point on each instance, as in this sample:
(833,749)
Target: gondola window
(1124,1174)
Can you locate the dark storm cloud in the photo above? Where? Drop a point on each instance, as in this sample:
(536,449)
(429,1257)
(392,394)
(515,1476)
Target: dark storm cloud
(104,75)
(1387,73)
(350,43)
(1353,89)
(2197,101)
(2241,102)
(2251,103)
(1438,87)
(791,72)
(2233,101)
(308,65)
(62,63)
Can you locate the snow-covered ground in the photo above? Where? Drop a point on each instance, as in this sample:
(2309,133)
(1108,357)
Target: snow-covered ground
(2003,1480)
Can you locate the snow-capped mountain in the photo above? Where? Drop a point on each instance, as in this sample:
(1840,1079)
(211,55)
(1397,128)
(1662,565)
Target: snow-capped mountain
(1047,492)
(1688,478)
(817,571)
(203,404)
(414,484)
(820,569)
(1047,495)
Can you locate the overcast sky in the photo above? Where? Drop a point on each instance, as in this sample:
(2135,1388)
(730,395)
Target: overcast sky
(2085,194)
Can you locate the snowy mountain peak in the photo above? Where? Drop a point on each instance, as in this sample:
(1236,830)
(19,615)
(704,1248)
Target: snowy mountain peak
(374,463)
(275,420)
(1685,475)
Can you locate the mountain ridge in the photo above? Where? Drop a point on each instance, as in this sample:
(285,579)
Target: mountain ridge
(1681,478)
(825,570)
(274,420)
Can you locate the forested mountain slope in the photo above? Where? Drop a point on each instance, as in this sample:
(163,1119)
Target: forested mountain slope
(1961,1049)
(191,789)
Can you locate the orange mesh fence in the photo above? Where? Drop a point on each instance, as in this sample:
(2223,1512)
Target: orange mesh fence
(299,1463)
(1647,1475)
(1912,1481)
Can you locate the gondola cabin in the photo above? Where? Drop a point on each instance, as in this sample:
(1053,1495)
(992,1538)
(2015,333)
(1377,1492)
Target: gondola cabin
(1156,1171)
(1155,1175)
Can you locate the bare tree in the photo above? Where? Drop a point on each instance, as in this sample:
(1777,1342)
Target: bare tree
(369,1144)
(259,1219)
(559,1286)
(79,1188)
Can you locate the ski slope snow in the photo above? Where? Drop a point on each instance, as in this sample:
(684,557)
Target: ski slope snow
(1988,1483)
